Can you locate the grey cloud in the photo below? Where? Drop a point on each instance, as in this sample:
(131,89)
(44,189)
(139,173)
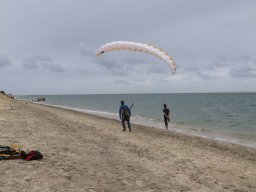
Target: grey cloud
(202,69)
(54,67)
(29,63)
(135,59)
(4,61)
(243,66)
(157,68)
(43,59)
(225,61)
(244,59)
(86,50)
(244,72)
(195,34)
(188,65)
(106,62)
(125,65)
(118,71)
(83,71)
(49,65)
(38,62)
(123,82)
(115,67)
(204,75)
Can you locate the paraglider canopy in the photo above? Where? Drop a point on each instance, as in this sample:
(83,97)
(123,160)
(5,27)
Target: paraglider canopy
(133,46)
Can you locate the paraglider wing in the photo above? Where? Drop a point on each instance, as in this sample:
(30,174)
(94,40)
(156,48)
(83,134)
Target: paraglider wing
(133,46)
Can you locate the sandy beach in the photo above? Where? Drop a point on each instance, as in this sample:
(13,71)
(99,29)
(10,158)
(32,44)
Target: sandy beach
(83,152)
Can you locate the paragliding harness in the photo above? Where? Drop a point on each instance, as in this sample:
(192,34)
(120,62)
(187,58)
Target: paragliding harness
(14,152)
(125,114)
(7,153)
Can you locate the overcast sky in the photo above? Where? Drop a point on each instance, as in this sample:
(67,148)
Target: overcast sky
(48,46)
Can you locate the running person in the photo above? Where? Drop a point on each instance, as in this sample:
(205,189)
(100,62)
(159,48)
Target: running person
(166,113)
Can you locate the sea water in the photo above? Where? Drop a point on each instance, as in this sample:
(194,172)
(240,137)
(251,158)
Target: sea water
(223,116)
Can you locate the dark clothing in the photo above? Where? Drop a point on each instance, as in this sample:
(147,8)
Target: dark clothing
(124,114)
(166,112)
(128,123)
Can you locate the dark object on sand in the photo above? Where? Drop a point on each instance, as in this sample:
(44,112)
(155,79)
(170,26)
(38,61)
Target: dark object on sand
(14,152)
(41,99)
(7,153)
(33,155)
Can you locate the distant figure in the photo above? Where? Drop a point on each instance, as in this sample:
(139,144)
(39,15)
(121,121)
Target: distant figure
(124,114)
(166,113)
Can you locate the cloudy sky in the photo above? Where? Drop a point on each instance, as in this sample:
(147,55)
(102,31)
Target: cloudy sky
(48,46)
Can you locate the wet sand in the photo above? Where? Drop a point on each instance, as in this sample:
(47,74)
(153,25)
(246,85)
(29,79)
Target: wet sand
(83,152)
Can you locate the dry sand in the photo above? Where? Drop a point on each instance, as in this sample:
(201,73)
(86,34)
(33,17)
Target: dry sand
(87,153)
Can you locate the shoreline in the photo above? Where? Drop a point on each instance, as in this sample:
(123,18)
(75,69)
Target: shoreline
(184,133)
(214,136)
(219,143)
(221,121)
(84,152)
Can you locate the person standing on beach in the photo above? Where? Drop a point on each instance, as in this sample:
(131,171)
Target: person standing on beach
(166,113)
(124,115)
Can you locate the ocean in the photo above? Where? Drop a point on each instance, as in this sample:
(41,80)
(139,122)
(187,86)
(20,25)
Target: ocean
(229,117)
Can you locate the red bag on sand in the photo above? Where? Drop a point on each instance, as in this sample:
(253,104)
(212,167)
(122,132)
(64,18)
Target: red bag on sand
(34,155)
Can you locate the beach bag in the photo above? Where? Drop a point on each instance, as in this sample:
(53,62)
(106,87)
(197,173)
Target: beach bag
(7,152)
(33,155)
